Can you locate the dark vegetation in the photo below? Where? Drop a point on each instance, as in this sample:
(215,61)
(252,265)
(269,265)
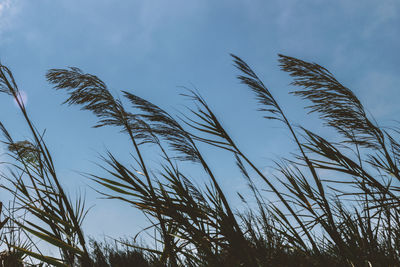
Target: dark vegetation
(352,220)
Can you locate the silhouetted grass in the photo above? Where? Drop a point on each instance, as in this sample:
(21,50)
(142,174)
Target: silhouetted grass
(351,220)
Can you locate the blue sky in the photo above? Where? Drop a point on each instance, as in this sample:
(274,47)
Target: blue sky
(152,47)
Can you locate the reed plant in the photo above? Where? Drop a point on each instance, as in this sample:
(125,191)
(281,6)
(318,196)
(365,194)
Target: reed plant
(48,213)
(351,219)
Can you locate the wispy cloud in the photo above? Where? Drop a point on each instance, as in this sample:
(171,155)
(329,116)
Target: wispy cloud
(387,11)
(3,6)
(153,16)
(8,10)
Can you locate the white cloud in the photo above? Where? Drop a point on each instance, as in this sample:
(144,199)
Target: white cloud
(8,10)
(3,6)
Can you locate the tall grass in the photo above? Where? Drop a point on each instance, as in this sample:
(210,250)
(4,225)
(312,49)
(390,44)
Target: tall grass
(37,191)
(351,220)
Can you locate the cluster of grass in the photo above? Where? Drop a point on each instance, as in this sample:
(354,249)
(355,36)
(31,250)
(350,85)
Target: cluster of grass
(351,220)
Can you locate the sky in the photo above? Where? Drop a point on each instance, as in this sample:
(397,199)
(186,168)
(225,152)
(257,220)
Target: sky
(152,48)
